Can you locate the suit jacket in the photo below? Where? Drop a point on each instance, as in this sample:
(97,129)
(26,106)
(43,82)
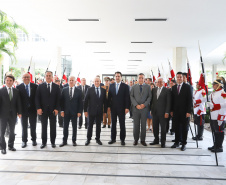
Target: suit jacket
(93,104)
(120,101)
(74,105)
(182,103)
(86,88)
(161,105)
(9,108)
(48,101)
(138,97)
(28,103)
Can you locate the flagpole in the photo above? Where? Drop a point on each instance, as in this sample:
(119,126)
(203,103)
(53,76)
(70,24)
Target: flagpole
(213,136)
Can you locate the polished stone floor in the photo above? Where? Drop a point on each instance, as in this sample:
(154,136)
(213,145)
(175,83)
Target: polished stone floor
(111,164)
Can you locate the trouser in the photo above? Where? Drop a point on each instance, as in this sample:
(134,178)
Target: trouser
(168,124)
(81,119)
(52,121)
(11,121)
(181,129)
(218,133)
(121,116)
(97,119)
(162,121)
(107,118)
(60,119)
(199,121)
(67,118)
(24,122)
(130,112)
(139,124)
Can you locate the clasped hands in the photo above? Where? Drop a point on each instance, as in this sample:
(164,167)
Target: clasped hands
(141,106)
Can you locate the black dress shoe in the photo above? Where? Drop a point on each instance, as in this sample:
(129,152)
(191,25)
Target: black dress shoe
(104,126)
(79,127)
(74,143)
(34,143)
(53,146)
(3,151)
(163,145)
(210,148)
(172,133)
(111,142)
(87,142)
(135,143)
(217,150)
(12,149)
(109,126)
(143,143)
(183,148)
(24,144)
(154,143)
(173,140)
(175,145)
(123,143)
(61,126)
(99,142)
(43,146)
(62,144)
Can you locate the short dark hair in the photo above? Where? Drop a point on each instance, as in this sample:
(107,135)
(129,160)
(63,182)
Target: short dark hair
(184,74)
(152,84)
(10,76)
(49,72)
(112,79)
(173,81)
(141,74)
(179,73)
(149,79)
(118,72)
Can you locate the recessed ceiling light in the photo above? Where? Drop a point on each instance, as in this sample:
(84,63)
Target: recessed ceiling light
(106,60)
(102,52)
(140,42)
(93,42)
(138,52)
(158,19)
(135,60)
(83,19)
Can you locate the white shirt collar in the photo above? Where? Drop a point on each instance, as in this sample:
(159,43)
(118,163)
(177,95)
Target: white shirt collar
(180,84)
(27,84)
(49,83)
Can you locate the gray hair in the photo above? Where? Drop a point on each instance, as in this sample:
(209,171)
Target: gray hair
(96,78)
(160,78)
(71,77)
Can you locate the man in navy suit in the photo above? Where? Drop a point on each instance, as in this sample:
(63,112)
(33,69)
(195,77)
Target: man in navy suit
(71,108)
(47,102)
(181,110)
(10,107)
(27,95)
(119,104)
(83,87)
(94,104)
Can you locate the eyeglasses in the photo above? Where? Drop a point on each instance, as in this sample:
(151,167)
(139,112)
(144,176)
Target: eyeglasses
(26,77)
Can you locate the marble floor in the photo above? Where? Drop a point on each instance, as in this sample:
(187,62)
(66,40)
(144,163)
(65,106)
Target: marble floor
(111,164)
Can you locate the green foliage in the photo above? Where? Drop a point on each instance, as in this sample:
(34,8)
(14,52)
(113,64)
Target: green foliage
(16,72)
(9,43)
(40,72)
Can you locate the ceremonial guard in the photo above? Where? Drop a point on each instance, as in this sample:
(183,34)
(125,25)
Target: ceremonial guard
(199,99)
(217,107)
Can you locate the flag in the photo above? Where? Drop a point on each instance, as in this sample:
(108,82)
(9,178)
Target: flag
(64,77)
(171,71)
(189,78)
(78,79)
(153,76)
(159,74)
(28,71)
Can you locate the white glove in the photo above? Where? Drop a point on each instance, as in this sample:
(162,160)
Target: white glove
(194,102)
(210,105)
(219,123)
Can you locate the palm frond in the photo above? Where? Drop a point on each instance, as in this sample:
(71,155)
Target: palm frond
(9,53)
(2,15)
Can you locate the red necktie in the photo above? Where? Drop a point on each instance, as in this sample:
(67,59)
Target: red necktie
(178,89)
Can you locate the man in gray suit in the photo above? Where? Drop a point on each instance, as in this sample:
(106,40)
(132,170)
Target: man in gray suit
(160,109)
(140,97)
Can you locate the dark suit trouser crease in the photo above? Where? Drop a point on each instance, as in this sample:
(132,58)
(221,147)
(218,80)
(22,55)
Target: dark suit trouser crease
(181,129)
(121,116)
(97,119)
(52,121)
(3,124)
(24,121)
(67,119)
(162,121)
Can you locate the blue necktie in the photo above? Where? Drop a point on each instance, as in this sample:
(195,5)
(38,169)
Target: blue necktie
(98,95)
(117,88)
(140,88)
(27,90)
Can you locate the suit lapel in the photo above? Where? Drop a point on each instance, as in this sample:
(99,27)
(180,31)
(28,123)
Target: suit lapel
(6,94)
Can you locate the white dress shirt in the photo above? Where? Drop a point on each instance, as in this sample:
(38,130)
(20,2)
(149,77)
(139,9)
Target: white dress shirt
(11,90)
(73,89)
(98,90)
(50,85)
(180,86)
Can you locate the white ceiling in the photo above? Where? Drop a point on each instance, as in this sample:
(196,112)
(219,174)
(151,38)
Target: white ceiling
(187,22)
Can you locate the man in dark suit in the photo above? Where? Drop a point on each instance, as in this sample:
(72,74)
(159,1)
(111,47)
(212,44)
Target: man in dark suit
(160,110)
(119,104)
(94,104)
(83,87)
(47,102)
(101,84)
(10,107)
(71,108)
(27,95)
(181,110)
